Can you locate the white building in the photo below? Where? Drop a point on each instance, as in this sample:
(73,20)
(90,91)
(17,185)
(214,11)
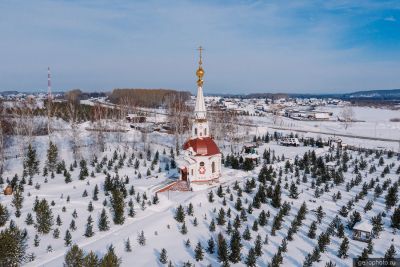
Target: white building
(201,160)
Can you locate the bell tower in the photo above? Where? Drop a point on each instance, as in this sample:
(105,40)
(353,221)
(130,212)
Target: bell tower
(200,124)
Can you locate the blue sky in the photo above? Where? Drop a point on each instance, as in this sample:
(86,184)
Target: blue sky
(251,46)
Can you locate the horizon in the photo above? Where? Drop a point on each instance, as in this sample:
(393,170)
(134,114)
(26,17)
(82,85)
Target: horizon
(250,47)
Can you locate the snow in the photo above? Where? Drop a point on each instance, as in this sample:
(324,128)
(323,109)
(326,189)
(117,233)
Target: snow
(364,226)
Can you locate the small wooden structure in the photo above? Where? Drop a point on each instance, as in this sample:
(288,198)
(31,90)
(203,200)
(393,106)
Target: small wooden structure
(362,231)
(287,141)
(8,190)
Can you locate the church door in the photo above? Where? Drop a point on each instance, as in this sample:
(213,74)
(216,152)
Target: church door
(184,174)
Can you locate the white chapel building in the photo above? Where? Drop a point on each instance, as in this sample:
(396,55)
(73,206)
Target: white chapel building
(201,160)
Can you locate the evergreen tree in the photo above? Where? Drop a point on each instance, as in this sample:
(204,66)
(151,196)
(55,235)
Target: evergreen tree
(91,260)
(344,248)
(13,245)
(95,193)
(4,215)
(103,221)
(67,238)
(258,246)
(247,234)
(184,229)
(44,217)
(141,239)
(17,200)
(74,257)
(117,205)
(395,219)
(180,214)
(110,259)
(163,256)
(293,193)
(128,247)
(370,246)
(211,246)
(251,260)
(52,154)
(276,197)
(391,197)
(235,247)
(89,227)
(198,252)
(222,249)
(31,162)
(390,253)
(313,228)
(221,217)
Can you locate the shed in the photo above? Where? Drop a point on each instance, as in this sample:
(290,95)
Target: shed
(362,231)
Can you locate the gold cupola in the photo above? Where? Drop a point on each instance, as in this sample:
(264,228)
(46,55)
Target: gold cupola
(200,71)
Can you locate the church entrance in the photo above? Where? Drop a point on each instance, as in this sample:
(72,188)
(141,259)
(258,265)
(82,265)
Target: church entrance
(184,174)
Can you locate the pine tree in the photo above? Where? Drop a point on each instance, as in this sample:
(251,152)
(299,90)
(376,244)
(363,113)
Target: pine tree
(17,202)
(370,246)
(391,197)
(199,254)
(141,239)
(74,257)
(117,205)
(222,249)
(247,234)
(211,246)
(36,241)
(313,228)
(91,260)
(4,215)
(184,229)
(258,246)
(110,259)
(293,193)
(95,193)
(31,162)
(395,218)
(13,245)
(52,154)
(343,249)
(103,221)
(212,225)
(276,197)
(251,260)
(180,214)
(89,227)
(67,238)
(44,217)
(163,256)
(128,247)
(221,217)
(390,253)
(211,196)
(235,247)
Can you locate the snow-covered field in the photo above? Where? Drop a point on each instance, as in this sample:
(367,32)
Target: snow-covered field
(157,221)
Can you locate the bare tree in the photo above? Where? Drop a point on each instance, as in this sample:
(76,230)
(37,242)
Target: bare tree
(73,103)
(2,154)
(347,116)
(179,120)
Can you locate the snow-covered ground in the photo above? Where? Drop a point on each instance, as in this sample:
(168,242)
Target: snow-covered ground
(157,220)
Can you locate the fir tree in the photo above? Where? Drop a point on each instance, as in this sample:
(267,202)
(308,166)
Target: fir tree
(67,238)
(89,227)
(235,247)
(74,257)
(390,253)
(103,224)
(4,215)
(44,217)
(251,259)
(313,228)
(128,247)
(258,246)
(293,193)
(163,256)
(117,205)
(110,259)
(343,249)
(17,200)
(31,162)
(198,252)
(276,197)
(52,154)
(395,218)
(184,229)
(91,260)
(13,245)
(211,246)
(95,193)
(222,249)
(180,214)
(247,234)
(141,239)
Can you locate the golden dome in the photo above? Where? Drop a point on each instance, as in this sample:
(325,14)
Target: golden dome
(200,72)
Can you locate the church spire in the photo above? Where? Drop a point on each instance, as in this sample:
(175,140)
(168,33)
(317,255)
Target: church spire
(200,108)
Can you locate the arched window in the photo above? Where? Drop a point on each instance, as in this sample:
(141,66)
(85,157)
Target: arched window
(213,166)
(195,131)
(205,131)
(202,164)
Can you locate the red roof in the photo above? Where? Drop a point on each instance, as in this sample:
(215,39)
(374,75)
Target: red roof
(202,146)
